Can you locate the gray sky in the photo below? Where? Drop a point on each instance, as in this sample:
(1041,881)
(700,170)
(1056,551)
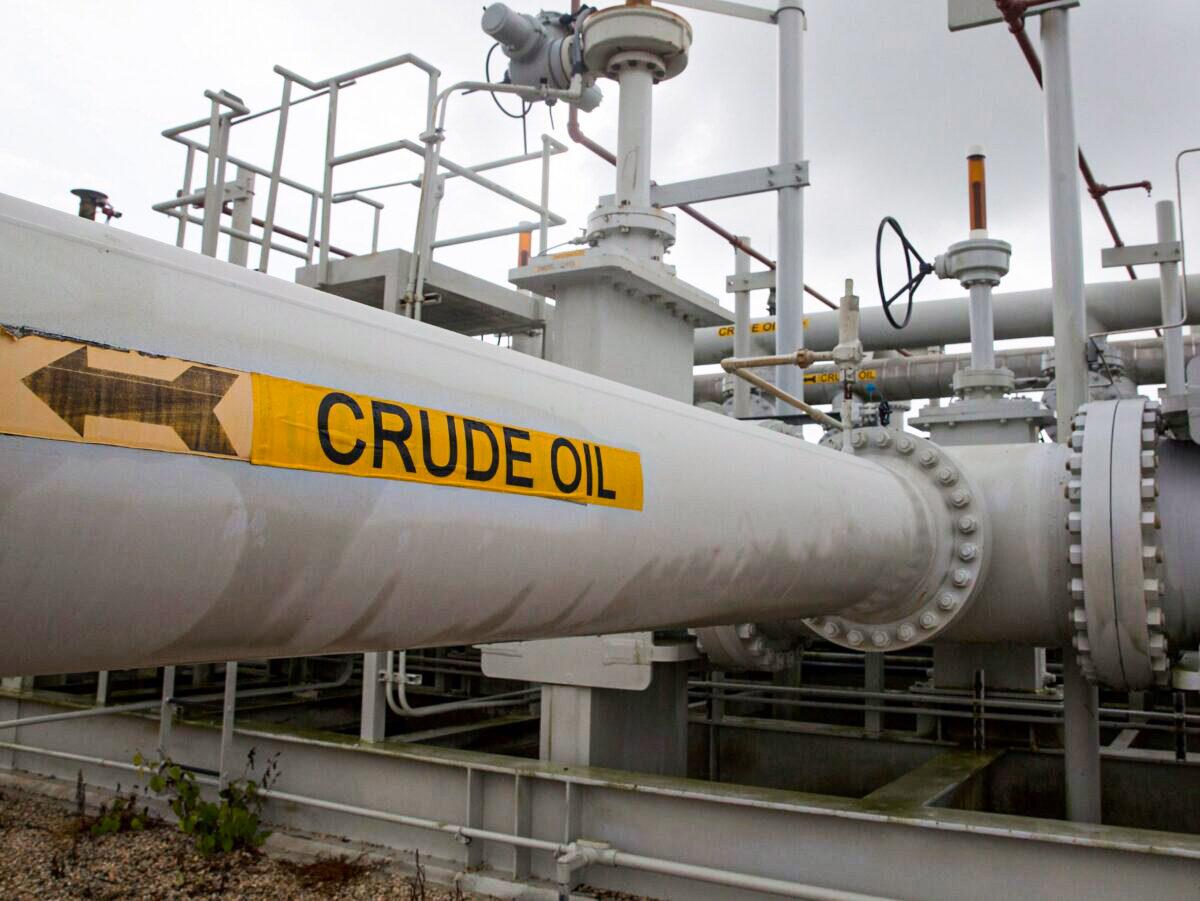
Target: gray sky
(893,101)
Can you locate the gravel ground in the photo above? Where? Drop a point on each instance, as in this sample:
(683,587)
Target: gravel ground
(44,855)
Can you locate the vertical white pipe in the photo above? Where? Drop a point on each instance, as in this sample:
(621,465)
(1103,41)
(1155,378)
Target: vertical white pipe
(1066,230)
(789,272)
(741,331)
(1081,724)
(633,136)
(1172,301)
(983,338)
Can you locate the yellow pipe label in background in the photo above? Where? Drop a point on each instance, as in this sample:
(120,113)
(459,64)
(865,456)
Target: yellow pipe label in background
(69,390)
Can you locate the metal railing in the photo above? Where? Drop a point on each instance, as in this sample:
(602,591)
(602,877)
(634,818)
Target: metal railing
(215,195)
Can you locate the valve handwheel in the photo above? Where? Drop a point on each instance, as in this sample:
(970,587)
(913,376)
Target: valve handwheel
(914,281)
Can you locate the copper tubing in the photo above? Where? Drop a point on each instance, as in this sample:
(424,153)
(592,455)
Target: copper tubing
(1014,14)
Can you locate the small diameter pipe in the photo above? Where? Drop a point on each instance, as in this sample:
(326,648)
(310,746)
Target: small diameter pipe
(565,853)
(396,691)
(815,414)
(171,700)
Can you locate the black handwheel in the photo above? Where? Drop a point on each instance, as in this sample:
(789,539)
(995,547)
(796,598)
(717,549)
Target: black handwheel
(910,252)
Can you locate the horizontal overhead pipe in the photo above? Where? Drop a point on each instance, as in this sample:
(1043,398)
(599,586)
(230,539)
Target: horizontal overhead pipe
(1018,314)
(931,375)
(115,557)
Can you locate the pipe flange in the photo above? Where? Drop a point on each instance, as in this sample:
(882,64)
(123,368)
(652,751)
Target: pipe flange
(606,221)
(649,30)
(1117,624)
(961,534)
(745,646)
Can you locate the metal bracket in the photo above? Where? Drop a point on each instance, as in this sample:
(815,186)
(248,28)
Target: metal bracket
(964,14)
(751,281)
(730,184)
(1140,255)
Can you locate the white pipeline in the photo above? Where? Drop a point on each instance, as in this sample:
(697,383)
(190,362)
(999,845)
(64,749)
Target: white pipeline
(114,557)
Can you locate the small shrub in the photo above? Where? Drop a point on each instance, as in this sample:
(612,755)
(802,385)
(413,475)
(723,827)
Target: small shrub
(230,823)
(121,816)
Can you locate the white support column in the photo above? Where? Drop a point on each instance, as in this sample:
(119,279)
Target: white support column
(373,723)
(741,333)
(789,272)
(166,711)
(1172,301)
(634,127)
(1080,699)
(243,217)
(228,712)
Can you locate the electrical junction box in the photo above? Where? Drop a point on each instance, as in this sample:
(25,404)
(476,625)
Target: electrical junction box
(964,14)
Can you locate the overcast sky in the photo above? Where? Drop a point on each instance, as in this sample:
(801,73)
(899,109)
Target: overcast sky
(893,102)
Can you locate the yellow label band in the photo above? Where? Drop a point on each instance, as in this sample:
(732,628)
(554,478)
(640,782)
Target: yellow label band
(67,390)
(829,378)
(298,426)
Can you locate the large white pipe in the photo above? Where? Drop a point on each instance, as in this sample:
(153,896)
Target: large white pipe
(1016,314)
(112,557)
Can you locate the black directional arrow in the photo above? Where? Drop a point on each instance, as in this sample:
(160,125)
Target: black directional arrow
(75,391)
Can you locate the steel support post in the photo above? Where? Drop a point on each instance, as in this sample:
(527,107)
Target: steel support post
(285,105)
(789,272)
(214,182)
(166,711)
(1172,301)
(243,217)
(1081,724)
(228,711)
(188,165)
(741,331)
(327,185)
(102,688)
(873,680)
(373,724)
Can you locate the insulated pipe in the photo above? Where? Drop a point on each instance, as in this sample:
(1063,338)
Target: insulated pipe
(931,375)
(1017,314)
(114,557)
